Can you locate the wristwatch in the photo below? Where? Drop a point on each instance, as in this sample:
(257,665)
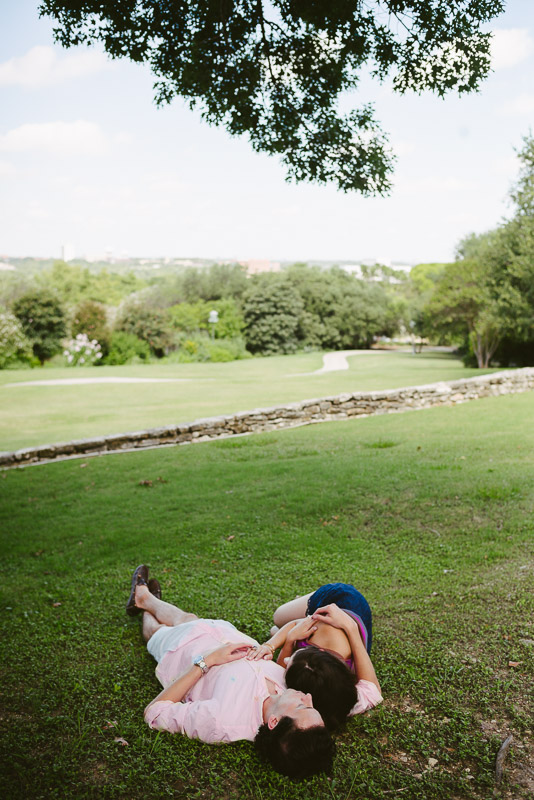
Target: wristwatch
(199,662)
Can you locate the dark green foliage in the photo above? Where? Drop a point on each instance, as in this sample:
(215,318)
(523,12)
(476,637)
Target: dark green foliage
(90,317)
(331,308)
(149,325)
(271,309)
(486,298)
(43,321)
(275,71)
(125,348)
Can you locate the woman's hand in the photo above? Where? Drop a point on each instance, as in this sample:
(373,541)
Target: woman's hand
(332,615)
(263,651)
(302,630)
(228,652)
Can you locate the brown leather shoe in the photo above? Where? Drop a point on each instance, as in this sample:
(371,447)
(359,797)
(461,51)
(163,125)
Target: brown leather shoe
(140,576)
(154,588)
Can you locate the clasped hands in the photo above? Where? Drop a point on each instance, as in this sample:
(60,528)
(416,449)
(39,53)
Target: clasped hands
(303,629)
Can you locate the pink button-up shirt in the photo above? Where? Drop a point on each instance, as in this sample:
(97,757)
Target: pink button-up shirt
(226,704)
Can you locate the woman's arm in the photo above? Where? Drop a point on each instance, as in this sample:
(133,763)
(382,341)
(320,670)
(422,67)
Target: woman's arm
(284,638)
(181,686)
(363,665)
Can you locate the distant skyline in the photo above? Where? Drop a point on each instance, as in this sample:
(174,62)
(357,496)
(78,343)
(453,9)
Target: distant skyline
(88,162)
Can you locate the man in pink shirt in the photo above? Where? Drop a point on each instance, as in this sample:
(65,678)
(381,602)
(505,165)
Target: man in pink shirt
(213,693)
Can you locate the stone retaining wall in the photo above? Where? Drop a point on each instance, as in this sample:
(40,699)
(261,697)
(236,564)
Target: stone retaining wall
(343,406)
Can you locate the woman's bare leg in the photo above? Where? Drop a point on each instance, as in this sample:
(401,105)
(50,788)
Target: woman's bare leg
(295,609)
(164,613)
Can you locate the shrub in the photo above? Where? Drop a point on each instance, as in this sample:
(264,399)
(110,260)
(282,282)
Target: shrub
(43,322)
(228,349)
(271,308)
(82,351)
(147,324)
(90,318)
(200,348)
(193,317)
(125,348)
(14,345)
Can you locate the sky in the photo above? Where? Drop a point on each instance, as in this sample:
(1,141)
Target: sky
(88,161)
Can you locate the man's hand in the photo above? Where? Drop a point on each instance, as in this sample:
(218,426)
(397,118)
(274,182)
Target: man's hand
(228,652)
(332,615)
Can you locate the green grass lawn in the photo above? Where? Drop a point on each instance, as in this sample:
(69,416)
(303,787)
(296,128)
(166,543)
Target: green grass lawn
(36,415)
(429,514)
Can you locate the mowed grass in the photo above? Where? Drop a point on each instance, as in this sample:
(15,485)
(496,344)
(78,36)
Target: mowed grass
(428,513)
(36,415)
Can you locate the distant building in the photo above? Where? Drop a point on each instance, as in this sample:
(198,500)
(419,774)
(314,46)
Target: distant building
(67,252)
(5,267)
(256,265)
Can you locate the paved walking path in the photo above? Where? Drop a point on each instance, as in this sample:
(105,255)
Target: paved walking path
(80,381)
(332,362)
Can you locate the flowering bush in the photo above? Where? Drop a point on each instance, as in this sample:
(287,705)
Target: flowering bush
(14,346)
(82,351)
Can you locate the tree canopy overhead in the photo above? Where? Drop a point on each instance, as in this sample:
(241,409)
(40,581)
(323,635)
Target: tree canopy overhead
(275,71)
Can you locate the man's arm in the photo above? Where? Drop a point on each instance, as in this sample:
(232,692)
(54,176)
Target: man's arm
(185,682)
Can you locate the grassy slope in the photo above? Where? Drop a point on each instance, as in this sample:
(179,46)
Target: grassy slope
(33,415)
(429,513)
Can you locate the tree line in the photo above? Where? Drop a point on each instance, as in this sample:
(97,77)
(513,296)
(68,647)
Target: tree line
(482,303)
(299,308)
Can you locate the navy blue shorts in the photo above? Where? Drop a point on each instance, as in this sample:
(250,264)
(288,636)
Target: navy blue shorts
(347,597)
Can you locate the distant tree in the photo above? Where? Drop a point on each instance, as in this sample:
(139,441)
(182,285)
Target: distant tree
(275,71)
(271,309)
(340,310)
(90,317)
(43,322)
(363,314)
(213,283)
(73,284)
(507,254)
(149,325)
(463,307)
(14,345)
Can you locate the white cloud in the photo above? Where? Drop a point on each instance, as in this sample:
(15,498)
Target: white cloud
(520,105)
(42,66)
(7,169)
(62,138)
(510,46)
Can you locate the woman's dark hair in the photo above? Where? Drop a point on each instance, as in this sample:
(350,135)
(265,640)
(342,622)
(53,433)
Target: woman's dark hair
(296,752)
(329,681)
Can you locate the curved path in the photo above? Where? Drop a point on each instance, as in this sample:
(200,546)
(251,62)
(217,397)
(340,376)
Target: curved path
(332,362)
(80,381)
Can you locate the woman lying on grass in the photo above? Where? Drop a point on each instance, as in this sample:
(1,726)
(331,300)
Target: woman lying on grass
(213,693)
(327,651)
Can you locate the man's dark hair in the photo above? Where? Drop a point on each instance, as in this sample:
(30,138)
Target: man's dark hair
(296,752)
(329,681)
